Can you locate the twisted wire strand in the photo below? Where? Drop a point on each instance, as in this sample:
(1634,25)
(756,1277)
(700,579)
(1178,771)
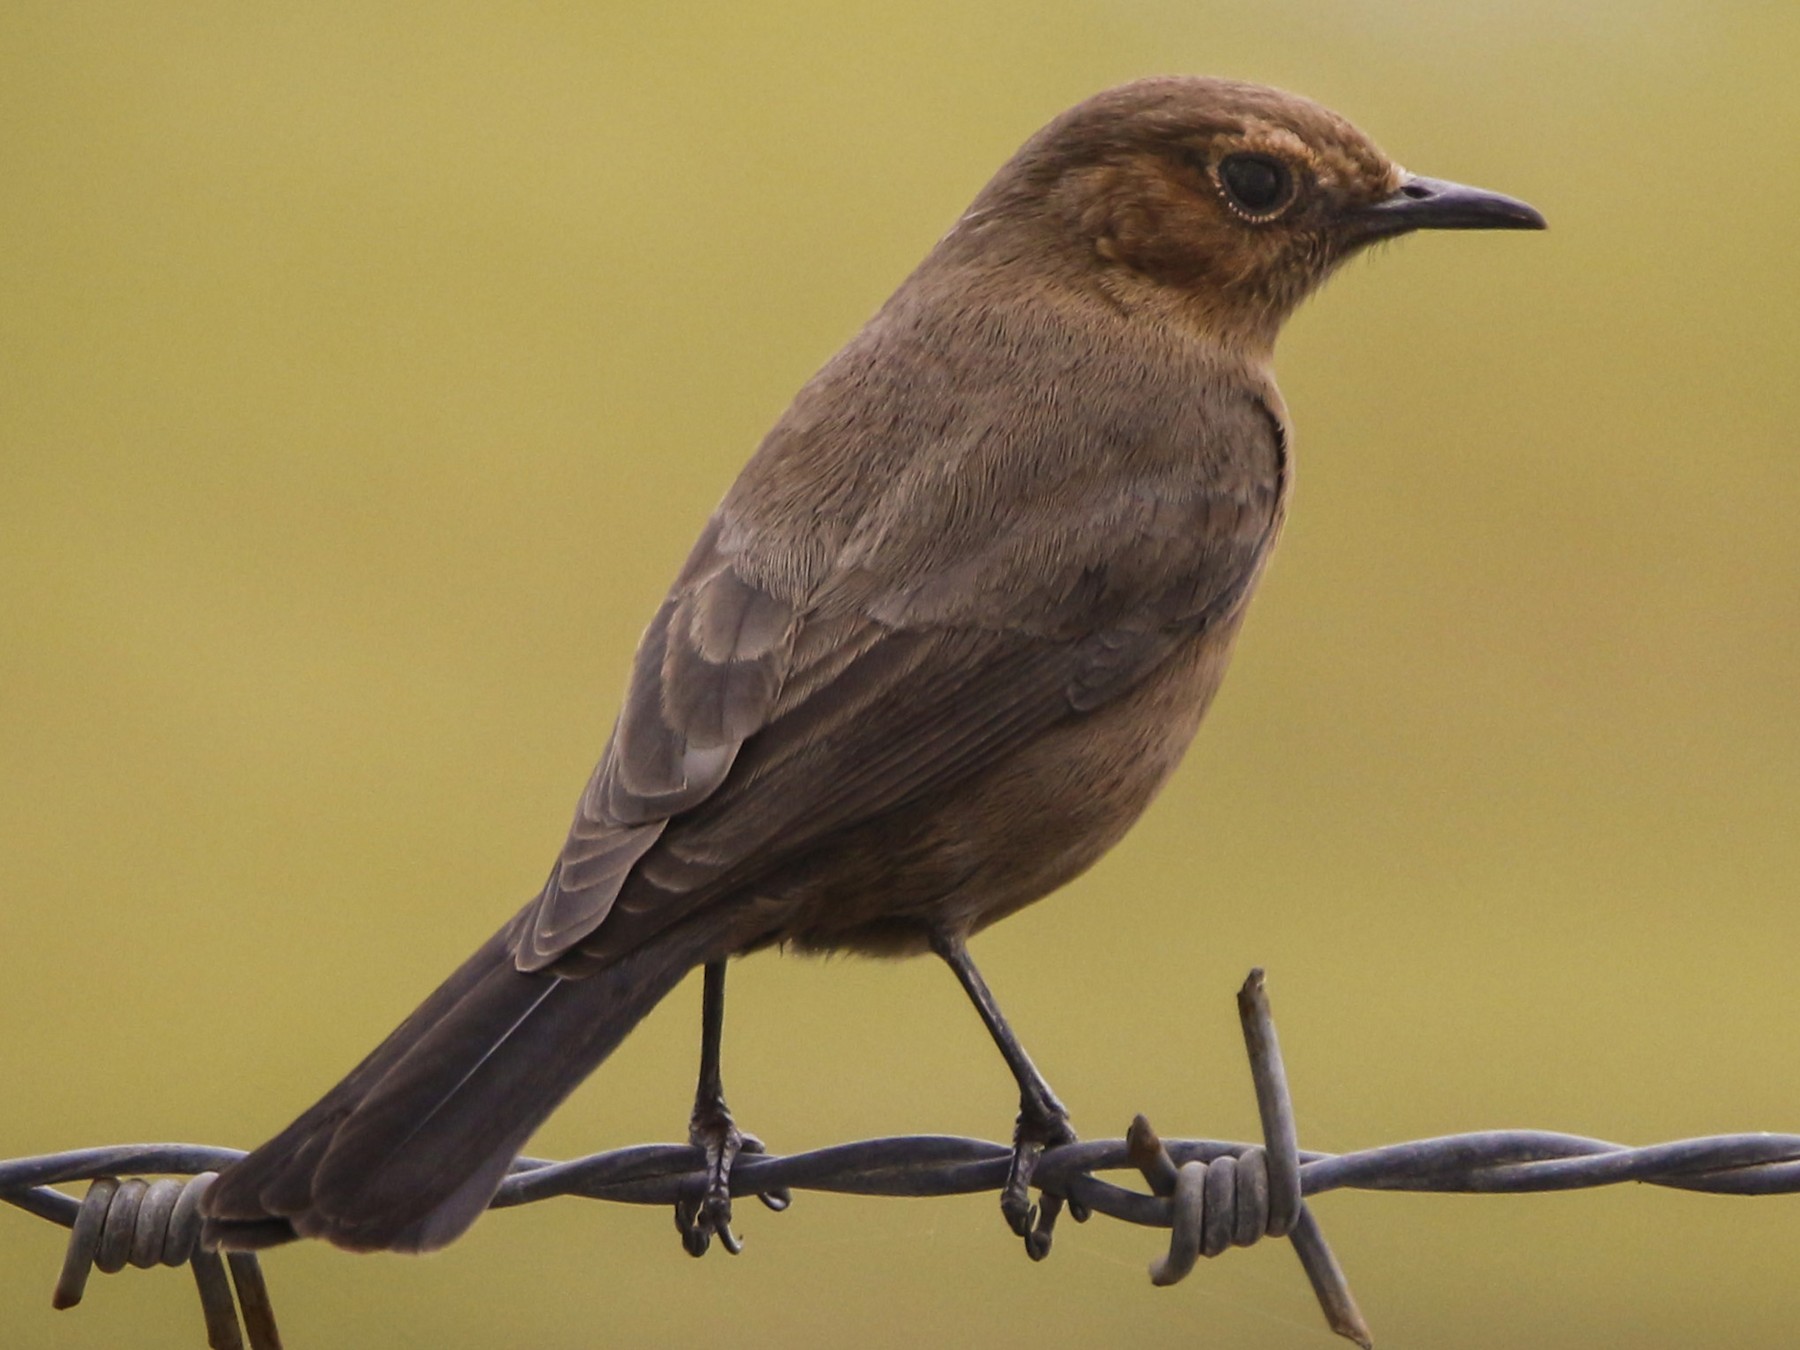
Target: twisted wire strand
(149,1223)
(1210,1194)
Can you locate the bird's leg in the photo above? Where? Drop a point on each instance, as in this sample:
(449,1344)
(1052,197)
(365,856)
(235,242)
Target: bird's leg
(1043,1120)
(712,1129)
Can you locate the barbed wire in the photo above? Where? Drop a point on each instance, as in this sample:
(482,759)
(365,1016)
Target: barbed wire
(1211,1194)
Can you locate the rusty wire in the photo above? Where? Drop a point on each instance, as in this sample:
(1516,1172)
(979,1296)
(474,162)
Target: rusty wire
(1211,1194)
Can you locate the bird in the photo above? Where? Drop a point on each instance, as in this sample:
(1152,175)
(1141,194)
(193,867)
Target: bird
(945,637)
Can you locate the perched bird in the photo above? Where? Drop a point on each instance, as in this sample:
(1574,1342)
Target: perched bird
(944,639)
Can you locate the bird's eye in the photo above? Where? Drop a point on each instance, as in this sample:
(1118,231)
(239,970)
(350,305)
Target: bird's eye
(1257,186)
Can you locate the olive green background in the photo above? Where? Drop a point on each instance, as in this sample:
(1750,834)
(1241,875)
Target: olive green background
(365,372)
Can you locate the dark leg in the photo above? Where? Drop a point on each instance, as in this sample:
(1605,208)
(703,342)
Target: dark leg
(712,1129)
(1043,1120)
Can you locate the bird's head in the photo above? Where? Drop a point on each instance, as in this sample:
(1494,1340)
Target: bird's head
(1234,200)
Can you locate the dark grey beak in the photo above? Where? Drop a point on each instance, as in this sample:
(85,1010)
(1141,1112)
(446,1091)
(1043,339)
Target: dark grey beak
(1433,204)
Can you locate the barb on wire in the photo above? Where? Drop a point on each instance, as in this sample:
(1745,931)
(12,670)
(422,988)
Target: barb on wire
(1211,1194)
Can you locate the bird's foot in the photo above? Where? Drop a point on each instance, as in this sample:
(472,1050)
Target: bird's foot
(1042,1125)
(702,1217)
(705,1216)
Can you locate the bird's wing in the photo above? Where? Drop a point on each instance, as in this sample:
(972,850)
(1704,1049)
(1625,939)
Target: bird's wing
(706,676)
(754,727)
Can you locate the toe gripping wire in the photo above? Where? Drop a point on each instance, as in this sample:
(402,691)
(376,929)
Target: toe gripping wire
(142,1223)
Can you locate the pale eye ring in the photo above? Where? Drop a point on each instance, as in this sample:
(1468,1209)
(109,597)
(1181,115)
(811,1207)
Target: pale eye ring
(1257,187)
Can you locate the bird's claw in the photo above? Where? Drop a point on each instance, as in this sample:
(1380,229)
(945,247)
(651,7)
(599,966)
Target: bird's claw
(1039,1128)
(702,1217)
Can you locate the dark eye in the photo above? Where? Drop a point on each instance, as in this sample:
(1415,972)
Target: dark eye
(1257,185)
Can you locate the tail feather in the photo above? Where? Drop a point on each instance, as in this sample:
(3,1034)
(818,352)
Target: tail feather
(407,1151)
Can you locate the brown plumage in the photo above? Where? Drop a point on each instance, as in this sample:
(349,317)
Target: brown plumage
(943,641)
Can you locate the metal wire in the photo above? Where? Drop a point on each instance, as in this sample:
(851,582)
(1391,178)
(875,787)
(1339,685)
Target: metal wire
(1210,1194)
(148,1223)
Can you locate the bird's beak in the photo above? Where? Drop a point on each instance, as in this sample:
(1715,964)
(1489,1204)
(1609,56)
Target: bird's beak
(1433,204)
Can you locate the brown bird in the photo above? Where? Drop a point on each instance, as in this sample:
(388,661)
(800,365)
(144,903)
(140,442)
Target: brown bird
(947,635)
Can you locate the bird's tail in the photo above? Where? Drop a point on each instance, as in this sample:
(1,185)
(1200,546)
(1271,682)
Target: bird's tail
(406,1152)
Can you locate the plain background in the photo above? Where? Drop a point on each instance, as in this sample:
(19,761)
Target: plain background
(367,371)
